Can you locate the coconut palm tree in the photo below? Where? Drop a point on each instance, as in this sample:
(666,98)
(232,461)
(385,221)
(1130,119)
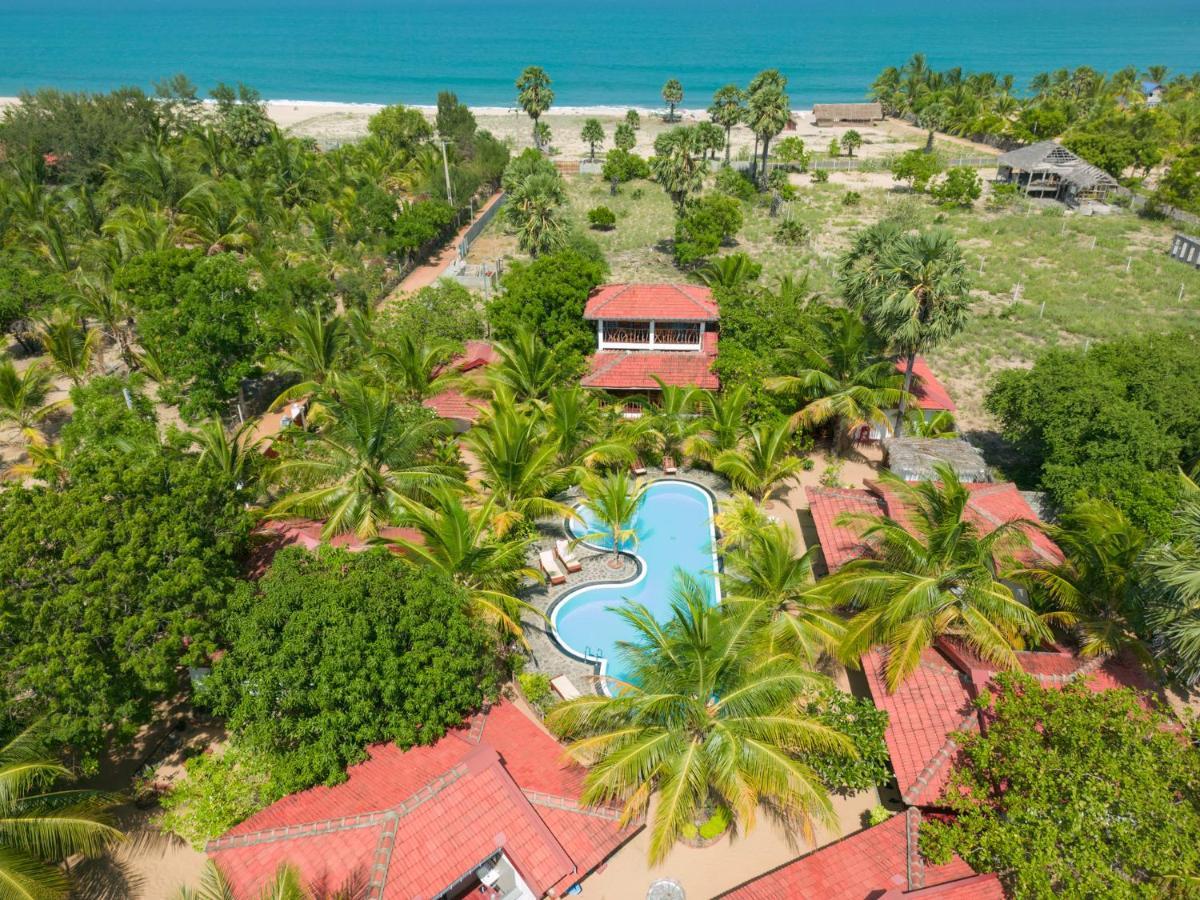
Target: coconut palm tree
(1094,589)
(768,110)
(1171,575)
(614,502)
(97,300)
(314,347)
(527,369)
(534,95)
(738,520)
(764,574)
(728,109)
(286,884)
(462,543)
(44,827)
(23,395)
(235,454)
(417,369)
(355,470)
(71,347)
(586,433)
(763,460)
(520,465)
(935,576)
(674,421)
(703,725)
(723,422)
(847,384)
(729,271)
(940,425)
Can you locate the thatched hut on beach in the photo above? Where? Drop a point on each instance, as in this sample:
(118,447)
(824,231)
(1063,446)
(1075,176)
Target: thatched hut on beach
(847,113)
(1049,170)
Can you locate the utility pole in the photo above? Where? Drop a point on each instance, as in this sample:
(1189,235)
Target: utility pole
(446,170)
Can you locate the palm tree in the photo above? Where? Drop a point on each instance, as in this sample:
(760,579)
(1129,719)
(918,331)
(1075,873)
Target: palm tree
(913,290)
(672,94)
(1172,588)
(940,425)
(1094,589)
(614,502)
(286,884)
(673,422)
(43,828)
(534,208)
(592,134)
(739,519)
(678,164)
(23,395)
(728,109)
(585,433)
(527,369)
(704,725)
(520,465)
(729,271)
(762,462)
(235,455)
(71,347)
(847,384)
(935,576)
(534,95)
(462,543)
(766,575)
(111,309)
(355,470)
(416,369)
(767,111)
(723,423)
(315,344)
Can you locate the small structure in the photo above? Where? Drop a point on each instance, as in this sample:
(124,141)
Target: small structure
(929,396)
(1153,92)
(490,810)
(847,113)
(1186,249)
(1049,170)
(644,331)
(913,459)
(454,405)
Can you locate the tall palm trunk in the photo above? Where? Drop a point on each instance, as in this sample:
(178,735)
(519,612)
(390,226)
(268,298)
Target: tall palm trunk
(728,134)
(766,146)
(908,378)
(754,162)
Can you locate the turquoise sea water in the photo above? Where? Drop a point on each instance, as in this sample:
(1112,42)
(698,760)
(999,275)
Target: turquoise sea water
(597,52)
(675,531)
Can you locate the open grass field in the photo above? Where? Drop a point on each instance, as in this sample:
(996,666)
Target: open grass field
(1099,277)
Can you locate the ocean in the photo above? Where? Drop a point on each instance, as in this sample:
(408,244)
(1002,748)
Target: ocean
(598,53)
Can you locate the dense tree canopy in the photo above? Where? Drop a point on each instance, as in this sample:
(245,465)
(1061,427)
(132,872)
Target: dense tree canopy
(335,651)
(1072,793)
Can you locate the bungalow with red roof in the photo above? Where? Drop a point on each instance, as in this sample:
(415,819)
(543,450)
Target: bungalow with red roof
(454,405)
(930,396)
(490,810)
(648,330)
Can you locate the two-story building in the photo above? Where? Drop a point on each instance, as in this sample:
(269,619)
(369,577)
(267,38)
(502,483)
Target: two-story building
(644,331)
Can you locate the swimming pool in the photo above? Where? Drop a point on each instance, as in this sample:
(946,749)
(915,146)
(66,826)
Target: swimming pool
(675,531)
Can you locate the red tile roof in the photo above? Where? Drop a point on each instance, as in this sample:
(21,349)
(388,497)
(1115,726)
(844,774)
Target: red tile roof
(932,702)
(929,392)
(864,865)
(453,404)
(634,370)
(840,543)
(978,887)
(476,354)
(429,815)
(273,535)
(644,302)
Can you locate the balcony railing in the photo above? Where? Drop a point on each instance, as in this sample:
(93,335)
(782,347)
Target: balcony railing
(650,335)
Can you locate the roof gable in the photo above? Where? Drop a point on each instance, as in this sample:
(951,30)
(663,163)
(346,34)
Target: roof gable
(646,302)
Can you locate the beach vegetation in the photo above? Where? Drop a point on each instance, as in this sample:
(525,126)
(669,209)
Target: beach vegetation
(672,94)
(592,134)
(734,183)
(729,272)
(602,218)
(851,141)
(917,168)
(402,127)
(621,165)
(534,95)
(624,139)
(728,109)
(961,186)
(768,110)
(1022,810)
(678,164)
(706,224)
(633,119)
(455,122)
(792,150)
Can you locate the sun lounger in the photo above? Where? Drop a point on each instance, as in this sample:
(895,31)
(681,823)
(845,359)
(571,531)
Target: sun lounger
(562,549)
(550,567)
(563,687)
(638,467)
(669,466)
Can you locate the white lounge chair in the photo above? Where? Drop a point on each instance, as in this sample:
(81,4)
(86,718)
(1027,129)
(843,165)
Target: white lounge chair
(562,549)
(563,687)
(550,567)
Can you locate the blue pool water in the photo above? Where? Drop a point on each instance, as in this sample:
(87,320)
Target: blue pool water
(675,531)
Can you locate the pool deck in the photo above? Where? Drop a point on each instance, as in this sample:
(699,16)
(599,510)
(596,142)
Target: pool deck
(546,654)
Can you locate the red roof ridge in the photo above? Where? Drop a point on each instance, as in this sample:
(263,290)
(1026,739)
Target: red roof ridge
(940,759)
(553,801)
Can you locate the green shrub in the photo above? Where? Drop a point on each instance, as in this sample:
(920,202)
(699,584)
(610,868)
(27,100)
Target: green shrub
(602,218)
(791,150)
(877,815)
(916,167)
(624,165)
(864,724)
(851,198)
(712,827)
(707,223)
(536,688)
(820,176)
(1003,195)
(781,184)
(220,790)
(961,187)
(735,183)
(792,231)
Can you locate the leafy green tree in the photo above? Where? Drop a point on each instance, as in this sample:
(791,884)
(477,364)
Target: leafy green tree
(851,141)
(917,168)
(401,127)
(865,724)
(762,462)
(624,138)
(911,288)
(764,574)
(705,224)
(592,134)
(534,95)
(242,115)
(727,110)
(1180,186)
(547,296)
(111,413)
(768,111)
(678,164)
(105,577)
(45,828)
(353,473)
(445,311)
(614,502)
(620,165)
(703,725)
(835,148)
(934,576)
(791,150)
(455,122)
(334,651)
(1022,809)
(961,187)
(672,94)
(420,225)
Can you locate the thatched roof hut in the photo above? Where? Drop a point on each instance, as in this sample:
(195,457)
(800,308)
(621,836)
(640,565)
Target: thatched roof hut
(847,113)
(913,459)
(1048,169)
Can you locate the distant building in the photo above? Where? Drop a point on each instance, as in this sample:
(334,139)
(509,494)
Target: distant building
(847,113)
(1049,170)
(1153,92)
(1186,249)
(644,331)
